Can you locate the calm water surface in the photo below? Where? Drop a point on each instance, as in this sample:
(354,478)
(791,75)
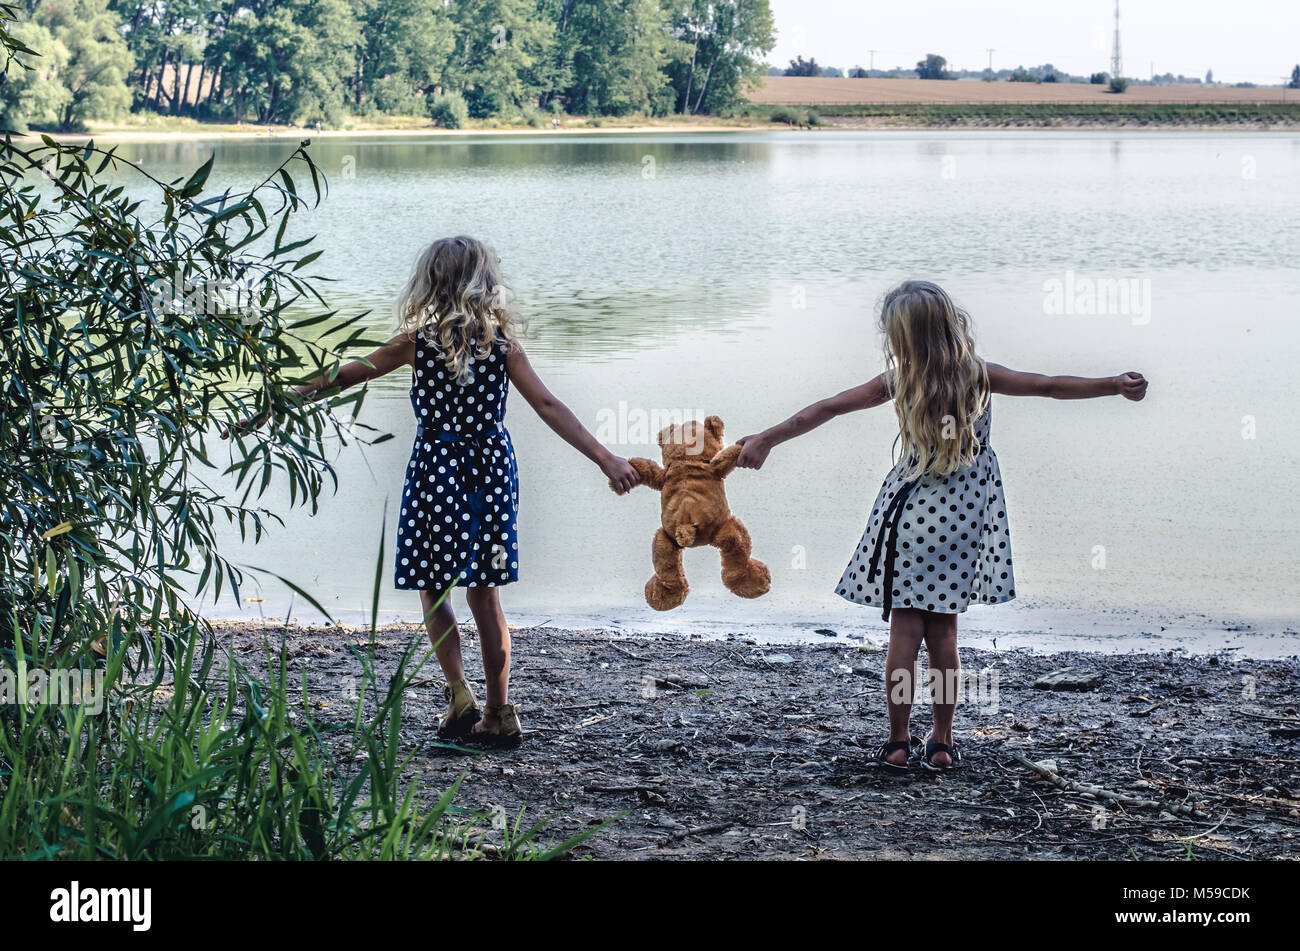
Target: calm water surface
(738,275)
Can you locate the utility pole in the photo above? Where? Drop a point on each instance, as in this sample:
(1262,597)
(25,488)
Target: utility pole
(991,52)
(1116,61)
(871,65)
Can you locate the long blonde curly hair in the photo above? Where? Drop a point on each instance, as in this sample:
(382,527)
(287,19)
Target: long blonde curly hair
(459,303)
(939,384)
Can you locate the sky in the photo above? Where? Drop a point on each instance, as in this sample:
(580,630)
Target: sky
(1243,41)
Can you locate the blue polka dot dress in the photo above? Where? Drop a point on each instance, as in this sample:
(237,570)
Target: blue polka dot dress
(943,541)
(458,523)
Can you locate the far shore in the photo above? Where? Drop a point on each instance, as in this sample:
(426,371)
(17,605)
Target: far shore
(199,132)
(827,122)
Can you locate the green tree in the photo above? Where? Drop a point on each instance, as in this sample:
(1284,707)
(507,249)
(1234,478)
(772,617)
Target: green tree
(35,94)
(1295,78)
(288,60)
(933,66)
(79,70)
(803,67)
(130,334)
(718,52)
(500,55)
(403,49)
(614,51)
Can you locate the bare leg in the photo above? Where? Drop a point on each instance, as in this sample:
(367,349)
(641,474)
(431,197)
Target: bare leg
(440,622)
(906,631)
(494,637)
(945,668)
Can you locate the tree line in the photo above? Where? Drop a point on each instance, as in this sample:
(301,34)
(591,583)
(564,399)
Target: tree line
(303,61)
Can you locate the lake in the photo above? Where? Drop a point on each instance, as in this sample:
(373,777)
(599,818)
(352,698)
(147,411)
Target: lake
(738,274)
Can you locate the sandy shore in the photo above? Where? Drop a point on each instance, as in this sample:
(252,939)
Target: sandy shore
(730,749)
(828,123)
(293,134)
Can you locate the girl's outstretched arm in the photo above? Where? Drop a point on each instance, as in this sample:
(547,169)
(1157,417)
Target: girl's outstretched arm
(399,351)
(754,449)
(567,426)
(1131,385)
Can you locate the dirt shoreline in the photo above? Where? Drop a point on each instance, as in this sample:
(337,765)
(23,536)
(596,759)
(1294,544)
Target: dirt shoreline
(727,749)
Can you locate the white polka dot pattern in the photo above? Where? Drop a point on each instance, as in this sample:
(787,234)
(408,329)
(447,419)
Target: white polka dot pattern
(953,539)
(458,520)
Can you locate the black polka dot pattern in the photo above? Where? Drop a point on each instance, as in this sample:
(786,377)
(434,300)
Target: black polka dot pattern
(954,540)
(458,519)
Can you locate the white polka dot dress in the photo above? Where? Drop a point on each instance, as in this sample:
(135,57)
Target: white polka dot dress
(944,542)
(458,519)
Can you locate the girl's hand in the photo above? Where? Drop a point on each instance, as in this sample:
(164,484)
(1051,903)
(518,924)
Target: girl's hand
(753,452)
(622,476)
(1132,385)
(245,425)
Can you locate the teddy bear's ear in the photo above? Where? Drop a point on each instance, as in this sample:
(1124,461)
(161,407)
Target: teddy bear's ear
(665,436)
(713,426)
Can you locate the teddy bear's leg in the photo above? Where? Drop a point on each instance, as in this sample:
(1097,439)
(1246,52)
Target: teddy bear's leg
(743,576)
(667,589)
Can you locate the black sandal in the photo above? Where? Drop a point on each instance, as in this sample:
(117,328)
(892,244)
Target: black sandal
(893,746)
(931,748)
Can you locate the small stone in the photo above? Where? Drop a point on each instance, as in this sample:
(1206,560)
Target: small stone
(826,632)
(778,659)
(1068,678)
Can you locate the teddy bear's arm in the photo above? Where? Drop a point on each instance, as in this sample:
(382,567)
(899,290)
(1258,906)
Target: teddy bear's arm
(725,461)
(651,473)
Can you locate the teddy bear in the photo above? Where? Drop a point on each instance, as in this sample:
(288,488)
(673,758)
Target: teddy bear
(695,513)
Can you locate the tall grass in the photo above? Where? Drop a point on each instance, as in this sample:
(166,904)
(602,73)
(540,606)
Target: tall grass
(221,761)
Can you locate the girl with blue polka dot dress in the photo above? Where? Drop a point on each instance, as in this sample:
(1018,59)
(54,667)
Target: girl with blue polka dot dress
(938,538)
(459,333)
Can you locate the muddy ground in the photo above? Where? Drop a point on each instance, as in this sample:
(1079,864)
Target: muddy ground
(728,749)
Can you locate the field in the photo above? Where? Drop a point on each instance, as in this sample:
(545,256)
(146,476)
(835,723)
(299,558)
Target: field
(821,91)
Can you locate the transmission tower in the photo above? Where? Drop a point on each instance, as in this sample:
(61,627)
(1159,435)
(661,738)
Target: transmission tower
(1116,61)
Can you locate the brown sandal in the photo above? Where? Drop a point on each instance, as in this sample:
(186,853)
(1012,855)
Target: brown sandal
(512,733)
(464,711)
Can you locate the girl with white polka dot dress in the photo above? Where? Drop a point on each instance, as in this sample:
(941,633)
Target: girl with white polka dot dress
(459,332)
(938,538)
